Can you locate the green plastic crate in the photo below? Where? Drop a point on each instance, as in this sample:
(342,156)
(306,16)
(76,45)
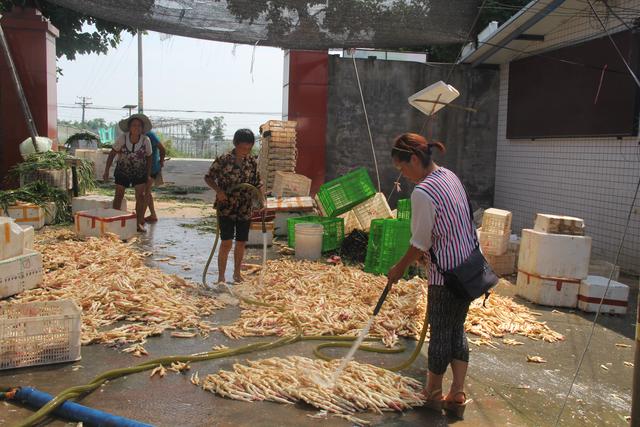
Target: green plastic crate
(388,242)
(342,194)
(333,230)
(404,209)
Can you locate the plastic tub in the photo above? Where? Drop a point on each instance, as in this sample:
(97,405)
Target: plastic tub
(309,240)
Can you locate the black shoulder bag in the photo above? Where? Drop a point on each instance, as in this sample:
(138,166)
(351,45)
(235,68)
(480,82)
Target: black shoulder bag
(473,277)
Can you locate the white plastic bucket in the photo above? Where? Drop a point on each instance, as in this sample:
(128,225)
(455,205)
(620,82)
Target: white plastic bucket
(309,241)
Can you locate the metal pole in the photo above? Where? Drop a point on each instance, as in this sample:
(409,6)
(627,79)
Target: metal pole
(16,82)
(635,394)
(140,106)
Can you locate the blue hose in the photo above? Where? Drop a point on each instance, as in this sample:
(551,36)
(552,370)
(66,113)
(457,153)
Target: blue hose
(73,411)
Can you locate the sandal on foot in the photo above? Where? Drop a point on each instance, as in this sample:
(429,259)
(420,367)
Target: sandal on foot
(151,219)
(455,408)
(433,400)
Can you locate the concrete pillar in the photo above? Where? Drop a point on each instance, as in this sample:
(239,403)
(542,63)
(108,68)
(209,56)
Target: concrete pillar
(306,75)
(32,41)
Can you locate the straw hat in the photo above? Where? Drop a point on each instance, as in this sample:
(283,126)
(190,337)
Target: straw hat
(146,123)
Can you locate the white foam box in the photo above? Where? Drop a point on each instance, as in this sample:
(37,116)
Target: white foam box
(20,273)
(101,163)
(559,224)
(592,289)
(98,222)
(554,255)
(27,215)
(545,291)
(29,236)
(374,208)
(11,238)
(425,99)
(94,201)
(255,234)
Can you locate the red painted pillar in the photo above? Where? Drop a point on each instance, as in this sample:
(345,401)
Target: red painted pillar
(306,75)
(32,41)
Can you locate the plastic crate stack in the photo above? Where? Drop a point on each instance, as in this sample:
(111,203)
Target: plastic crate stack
(388,242)
(554,262)
(494,241)
(20,265)
(277,151)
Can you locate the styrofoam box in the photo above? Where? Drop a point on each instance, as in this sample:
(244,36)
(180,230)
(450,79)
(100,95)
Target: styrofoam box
(255,234)
(439,91)
(29,236)
(11,238)
(592,289)
(558,224)
(554,255)
(374,208)
(101,163)
(20,273)
(97,222)
(27,215)
(545,291)
(94,201)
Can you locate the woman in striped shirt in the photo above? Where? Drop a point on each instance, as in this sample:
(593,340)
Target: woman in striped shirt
(440,220)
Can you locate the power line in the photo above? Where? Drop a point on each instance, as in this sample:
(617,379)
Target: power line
(165,110)
(84,104)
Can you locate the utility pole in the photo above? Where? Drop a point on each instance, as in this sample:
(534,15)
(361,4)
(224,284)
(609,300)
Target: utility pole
(140,106)
(84,102)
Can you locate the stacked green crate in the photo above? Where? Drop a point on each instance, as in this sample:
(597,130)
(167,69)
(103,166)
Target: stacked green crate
(342,194)
(404,209)
(388,242)
(333,230)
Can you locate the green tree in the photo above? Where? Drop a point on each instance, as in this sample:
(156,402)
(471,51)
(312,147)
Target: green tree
(73,40)
(218,128)
(200,131)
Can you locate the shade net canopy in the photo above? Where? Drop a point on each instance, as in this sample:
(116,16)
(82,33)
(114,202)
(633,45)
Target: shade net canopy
(295,24)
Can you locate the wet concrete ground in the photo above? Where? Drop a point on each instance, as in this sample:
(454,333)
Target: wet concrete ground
(506,390)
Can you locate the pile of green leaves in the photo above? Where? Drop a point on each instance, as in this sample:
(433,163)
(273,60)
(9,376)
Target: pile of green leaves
(82,136)
(39,193)
(56,160)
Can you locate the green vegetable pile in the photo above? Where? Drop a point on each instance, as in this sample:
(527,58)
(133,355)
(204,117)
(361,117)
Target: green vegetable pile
(55,160)
(39,193)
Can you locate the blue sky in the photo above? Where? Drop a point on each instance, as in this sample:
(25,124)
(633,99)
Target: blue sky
(179,74)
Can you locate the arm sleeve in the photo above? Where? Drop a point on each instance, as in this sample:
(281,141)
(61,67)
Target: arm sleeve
(423,216)
(214,170)
(117,146)
(147,146)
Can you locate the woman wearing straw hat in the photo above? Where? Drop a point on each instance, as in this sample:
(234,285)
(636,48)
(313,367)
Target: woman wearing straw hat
(133,168)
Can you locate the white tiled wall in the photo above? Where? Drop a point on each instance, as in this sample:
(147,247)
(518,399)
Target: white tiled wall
(591,178)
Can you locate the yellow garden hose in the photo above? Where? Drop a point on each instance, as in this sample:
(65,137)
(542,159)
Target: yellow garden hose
(336,341)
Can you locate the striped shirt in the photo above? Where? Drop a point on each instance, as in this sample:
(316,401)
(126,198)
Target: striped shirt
(453,237)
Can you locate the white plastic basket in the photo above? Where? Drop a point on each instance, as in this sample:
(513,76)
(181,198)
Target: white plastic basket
(39,333)
(350,222)
(374,208)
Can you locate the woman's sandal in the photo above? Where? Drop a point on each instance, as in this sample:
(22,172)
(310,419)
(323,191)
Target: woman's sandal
(432,401)
(454,408)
